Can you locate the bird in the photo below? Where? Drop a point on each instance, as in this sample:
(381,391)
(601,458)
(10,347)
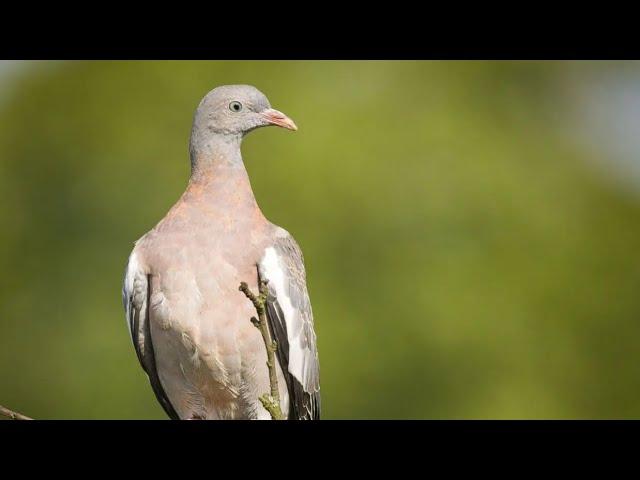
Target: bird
(189,323)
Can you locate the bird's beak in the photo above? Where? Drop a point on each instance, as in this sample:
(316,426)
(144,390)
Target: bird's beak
(278,118)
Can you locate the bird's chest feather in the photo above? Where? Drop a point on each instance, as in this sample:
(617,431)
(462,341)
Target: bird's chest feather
(206,347)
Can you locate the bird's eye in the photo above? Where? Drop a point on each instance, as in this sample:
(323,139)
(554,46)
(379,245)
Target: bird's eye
(235,106)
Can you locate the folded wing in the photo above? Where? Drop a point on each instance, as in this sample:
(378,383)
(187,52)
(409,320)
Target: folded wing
(291,321)
(135,297)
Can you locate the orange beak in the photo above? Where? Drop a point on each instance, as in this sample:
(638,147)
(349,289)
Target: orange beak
(278,118)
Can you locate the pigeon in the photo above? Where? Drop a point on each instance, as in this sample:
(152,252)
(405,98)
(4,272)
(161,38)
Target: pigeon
(190,325)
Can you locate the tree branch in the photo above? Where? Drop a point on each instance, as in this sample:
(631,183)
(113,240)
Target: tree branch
(5,412)
(270,401)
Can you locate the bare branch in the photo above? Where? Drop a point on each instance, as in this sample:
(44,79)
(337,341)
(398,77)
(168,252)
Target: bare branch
(5,412)
(270,401)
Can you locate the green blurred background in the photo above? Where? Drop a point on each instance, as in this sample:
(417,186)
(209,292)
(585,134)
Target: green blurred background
(470,229)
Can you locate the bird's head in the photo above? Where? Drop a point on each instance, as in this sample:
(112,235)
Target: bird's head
(236,110)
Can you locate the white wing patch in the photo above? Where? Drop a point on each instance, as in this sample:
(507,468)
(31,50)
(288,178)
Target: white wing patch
(131,297)
(271,268)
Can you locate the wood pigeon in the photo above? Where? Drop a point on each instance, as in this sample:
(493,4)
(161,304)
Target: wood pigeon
(189,323)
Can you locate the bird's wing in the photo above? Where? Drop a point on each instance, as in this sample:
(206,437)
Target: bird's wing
(291,321)
(135,297)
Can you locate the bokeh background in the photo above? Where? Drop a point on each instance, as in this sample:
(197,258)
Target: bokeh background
(470,229)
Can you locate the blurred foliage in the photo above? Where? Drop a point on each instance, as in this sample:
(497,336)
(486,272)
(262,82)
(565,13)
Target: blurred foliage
(463,260)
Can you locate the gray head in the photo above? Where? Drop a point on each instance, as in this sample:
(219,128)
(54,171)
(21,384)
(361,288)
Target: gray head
(236,110)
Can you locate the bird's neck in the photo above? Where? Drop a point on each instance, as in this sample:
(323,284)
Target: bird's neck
(210,152)
(218,174)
